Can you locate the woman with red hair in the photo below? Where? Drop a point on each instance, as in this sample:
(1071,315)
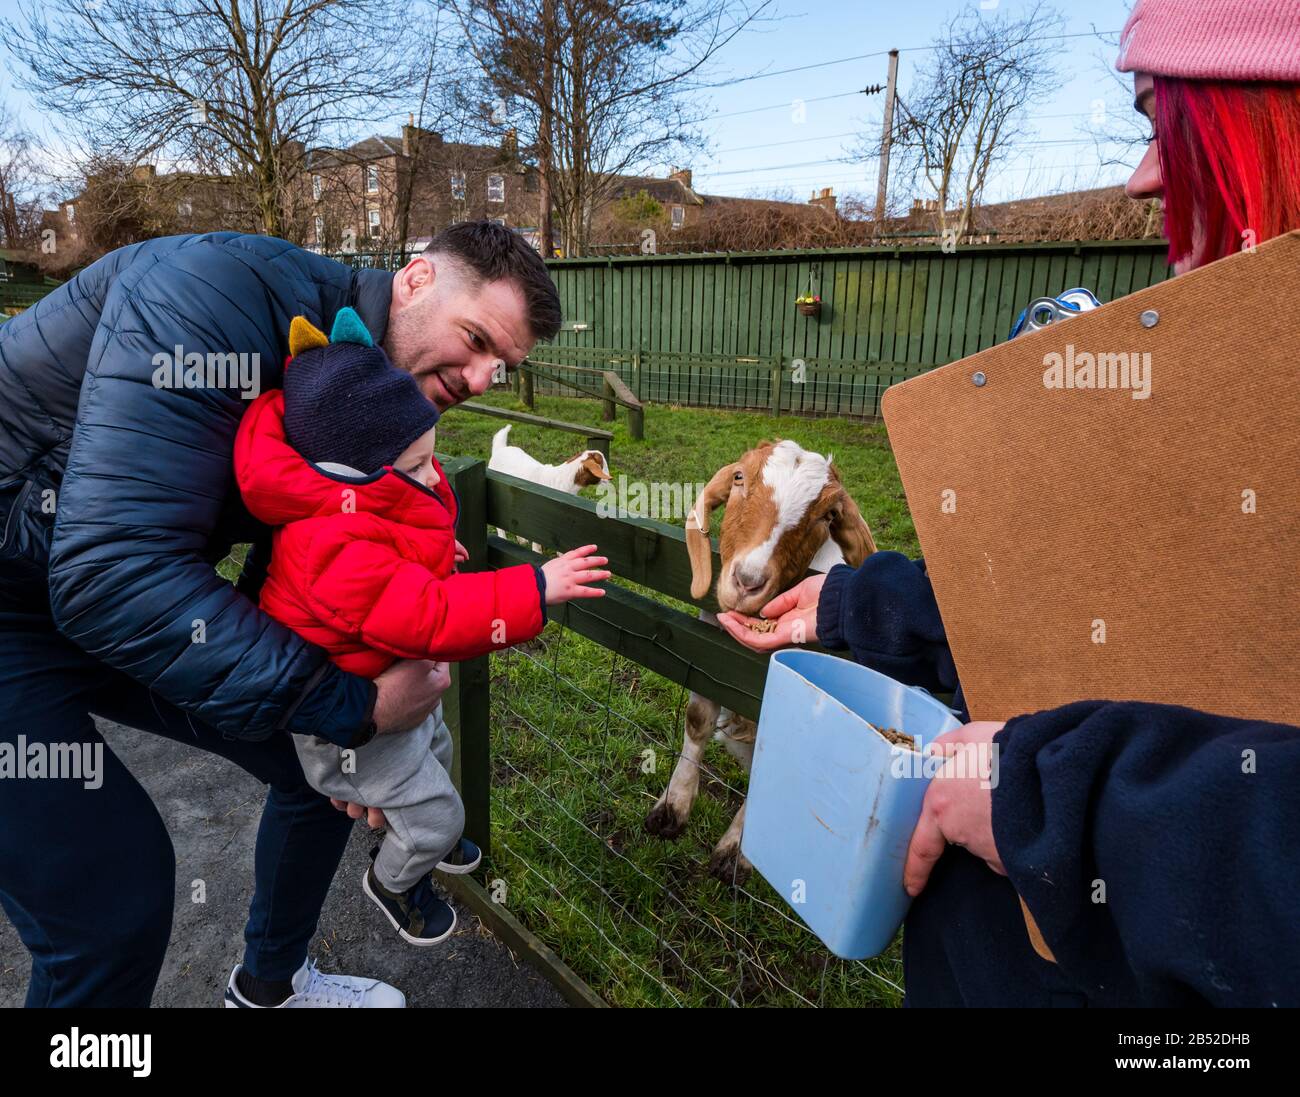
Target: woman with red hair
(1136,860)
(1220,81)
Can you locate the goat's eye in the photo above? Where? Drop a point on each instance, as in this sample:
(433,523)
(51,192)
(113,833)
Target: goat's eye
(739,477)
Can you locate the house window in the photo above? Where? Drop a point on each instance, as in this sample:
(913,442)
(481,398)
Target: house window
(315,188)
(458,185)
(499,221)
(372,179)
(320,230)
(71,212)
(679,216)
(373,216)
(496,188)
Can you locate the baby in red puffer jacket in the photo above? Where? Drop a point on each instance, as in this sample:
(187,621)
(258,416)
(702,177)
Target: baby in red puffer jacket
(363,562)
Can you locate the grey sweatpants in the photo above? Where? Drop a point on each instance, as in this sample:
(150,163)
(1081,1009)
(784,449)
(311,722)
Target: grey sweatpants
(405,773)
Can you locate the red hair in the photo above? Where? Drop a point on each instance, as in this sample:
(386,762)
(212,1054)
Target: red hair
(1230,163)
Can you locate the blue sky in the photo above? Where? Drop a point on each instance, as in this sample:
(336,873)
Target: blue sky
(812,34)
(760,146)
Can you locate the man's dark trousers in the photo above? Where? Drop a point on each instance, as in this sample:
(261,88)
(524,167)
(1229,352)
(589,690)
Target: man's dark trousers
(88,874)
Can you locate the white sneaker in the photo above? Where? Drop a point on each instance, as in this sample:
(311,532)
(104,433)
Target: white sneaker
(313,989)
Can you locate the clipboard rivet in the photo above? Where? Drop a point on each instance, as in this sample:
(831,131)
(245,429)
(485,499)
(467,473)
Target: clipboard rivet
(978,378)
(1150,318)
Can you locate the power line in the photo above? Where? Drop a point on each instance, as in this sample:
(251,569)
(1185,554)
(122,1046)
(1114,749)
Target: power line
(1050,142)
(880,53)
(866,184)
(860,159)
(787,106)
(797,141)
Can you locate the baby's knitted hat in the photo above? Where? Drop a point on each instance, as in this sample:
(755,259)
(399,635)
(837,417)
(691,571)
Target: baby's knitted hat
(344,401)
(1240,40)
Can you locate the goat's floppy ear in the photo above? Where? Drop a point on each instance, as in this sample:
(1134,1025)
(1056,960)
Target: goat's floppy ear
(596,466)
(850,531)
(698,545)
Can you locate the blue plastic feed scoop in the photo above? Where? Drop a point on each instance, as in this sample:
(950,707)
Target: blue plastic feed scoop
(832,803)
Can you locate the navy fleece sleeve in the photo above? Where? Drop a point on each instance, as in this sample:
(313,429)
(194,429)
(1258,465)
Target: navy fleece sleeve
(1157,849)
(884,612)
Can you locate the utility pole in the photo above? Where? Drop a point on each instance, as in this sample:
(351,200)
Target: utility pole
(550,43)
(887,137)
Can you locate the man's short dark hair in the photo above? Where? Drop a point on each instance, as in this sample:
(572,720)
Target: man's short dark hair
(493,252)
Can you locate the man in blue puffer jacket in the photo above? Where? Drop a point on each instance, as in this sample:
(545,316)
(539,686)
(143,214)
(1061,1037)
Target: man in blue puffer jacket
(123,391)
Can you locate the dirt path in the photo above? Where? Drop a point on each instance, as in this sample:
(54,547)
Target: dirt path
(211,808)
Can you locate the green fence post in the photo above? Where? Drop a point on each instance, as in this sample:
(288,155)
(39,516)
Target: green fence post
(636,374)
(526,387)
(776,386)
(468,704)
(607,404)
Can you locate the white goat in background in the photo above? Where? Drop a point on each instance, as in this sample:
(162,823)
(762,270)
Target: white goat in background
(580,471)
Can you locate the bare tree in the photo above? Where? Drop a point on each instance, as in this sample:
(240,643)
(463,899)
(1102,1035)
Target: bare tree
(971,103)
(595,86)
(219,86)
(21,184)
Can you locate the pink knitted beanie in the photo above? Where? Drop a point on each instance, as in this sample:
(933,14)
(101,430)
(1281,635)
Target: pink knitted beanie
(1239,40)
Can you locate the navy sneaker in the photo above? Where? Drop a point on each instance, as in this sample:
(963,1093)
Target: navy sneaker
(418,914)
(464,857)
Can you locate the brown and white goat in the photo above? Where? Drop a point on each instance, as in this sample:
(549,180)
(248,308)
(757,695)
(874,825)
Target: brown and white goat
(787,512)
(579,471)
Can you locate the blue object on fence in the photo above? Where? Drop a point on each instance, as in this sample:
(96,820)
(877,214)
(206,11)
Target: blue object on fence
(1044,311)
(832,804)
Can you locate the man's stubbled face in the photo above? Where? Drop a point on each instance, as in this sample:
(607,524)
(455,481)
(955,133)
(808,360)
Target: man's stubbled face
(451,335)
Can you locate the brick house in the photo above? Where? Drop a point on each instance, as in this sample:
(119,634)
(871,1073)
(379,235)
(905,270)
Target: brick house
(353,198)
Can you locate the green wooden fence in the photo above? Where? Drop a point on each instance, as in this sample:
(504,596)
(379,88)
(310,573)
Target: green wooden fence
(722,329)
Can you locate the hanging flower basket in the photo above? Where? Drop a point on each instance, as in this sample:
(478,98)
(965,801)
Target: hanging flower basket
(808,304)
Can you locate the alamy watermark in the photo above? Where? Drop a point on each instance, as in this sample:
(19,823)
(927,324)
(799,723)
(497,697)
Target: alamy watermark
(661,501)
(213,370)
(979,760)
(114,1051)
(1085,370)
(24,761)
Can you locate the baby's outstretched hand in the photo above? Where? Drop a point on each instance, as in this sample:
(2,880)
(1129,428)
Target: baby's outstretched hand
(567,575)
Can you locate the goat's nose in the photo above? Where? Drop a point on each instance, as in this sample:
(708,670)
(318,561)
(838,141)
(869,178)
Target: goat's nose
(751,579)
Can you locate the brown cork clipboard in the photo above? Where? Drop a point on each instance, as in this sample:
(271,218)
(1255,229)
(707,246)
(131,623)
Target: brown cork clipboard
(1086,544)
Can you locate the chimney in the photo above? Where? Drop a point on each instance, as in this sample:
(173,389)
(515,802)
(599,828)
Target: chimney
(510,142)
(413,136)
(682,175)
(142,173)
(826,200)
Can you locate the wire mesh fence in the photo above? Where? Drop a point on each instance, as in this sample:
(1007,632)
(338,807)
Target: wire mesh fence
(583,743)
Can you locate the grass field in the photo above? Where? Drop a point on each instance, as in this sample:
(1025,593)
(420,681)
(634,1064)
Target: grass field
(584,742)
